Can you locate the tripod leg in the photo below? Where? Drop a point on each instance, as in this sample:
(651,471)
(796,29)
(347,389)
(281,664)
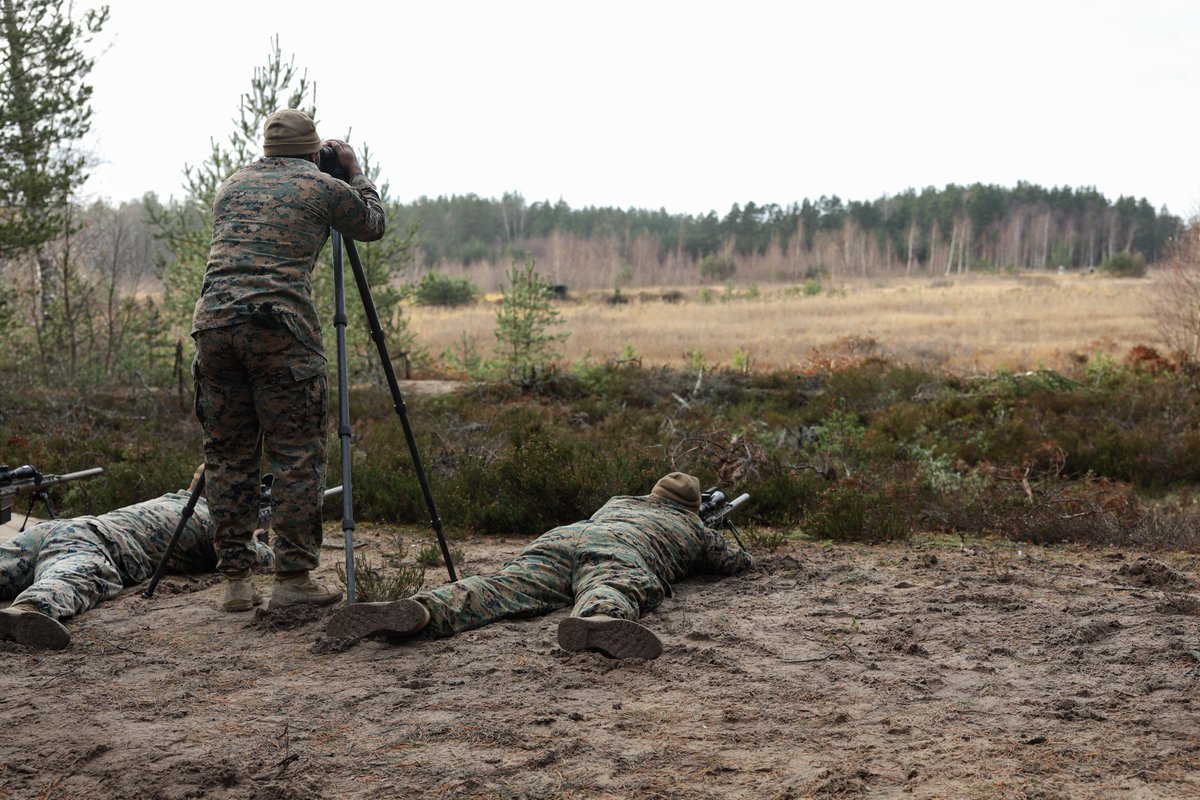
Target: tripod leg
(339,321)
(188,510)
(364,292)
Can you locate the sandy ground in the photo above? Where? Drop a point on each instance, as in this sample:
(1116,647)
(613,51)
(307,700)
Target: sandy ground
(982,671)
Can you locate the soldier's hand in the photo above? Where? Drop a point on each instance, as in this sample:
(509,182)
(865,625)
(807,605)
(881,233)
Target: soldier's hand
(345,155)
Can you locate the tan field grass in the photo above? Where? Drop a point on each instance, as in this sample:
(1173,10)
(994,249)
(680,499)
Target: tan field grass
(969,324)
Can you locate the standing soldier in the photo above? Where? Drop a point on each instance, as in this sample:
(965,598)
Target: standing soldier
(260,368)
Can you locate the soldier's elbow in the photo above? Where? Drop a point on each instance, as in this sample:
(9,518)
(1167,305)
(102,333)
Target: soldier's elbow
(373,235)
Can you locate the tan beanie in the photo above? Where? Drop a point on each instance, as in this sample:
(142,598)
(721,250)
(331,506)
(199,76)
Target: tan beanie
(289,132)
(683,489)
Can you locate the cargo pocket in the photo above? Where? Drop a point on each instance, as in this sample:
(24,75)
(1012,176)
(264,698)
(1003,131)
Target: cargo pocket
(308,368)
(311,372)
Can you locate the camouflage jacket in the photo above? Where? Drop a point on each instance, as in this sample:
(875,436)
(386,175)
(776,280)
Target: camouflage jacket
(139,535)
(270,220)
(671,540)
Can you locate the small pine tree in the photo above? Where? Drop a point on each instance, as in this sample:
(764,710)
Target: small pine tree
(526,313)
(45,111)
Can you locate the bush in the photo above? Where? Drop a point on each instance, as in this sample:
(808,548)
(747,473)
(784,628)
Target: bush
(1125,265)
(431,555)
(375,584)
(717,268)
(864,451)
(436,289)
(852,511)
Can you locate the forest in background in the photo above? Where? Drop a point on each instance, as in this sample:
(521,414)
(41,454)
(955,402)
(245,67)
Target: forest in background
(953,230)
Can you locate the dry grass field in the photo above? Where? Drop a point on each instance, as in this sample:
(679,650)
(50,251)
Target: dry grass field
(963,324)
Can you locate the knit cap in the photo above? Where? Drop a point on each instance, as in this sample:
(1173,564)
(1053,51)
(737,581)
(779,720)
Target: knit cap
(289,132)
(680,487)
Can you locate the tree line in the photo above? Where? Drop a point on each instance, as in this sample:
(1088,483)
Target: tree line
(954,229)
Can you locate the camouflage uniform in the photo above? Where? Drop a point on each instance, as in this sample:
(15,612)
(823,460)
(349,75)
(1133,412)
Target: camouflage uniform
(620,563)
(260,365)
(66,566)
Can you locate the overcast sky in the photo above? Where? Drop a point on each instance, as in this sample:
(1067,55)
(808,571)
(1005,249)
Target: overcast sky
(689,106)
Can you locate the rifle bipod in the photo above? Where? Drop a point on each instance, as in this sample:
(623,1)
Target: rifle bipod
(340,321)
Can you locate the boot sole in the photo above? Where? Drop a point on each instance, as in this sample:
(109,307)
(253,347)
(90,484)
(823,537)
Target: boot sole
(397,618)
(615,638)
(34,630)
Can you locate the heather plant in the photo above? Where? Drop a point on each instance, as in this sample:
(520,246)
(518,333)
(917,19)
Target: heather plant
(375,583)
(857,512)
(431,555)
(867,452)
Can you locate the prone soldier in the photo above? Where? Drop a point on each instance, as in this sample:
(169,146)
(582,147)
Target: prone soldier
(57,569)
(612,568)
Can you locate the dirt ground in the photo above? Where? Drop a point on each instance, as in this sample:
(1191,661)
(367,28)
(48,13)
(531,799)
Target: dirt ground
(923,670)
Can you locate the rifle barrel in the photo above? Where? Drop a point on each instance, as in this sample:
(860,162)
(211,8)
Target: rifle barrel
(34,484)
(74,476)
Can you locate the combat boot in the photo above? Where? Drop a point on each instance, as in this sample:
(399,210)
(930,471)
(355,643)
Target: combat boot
(24,624)
(398,619)
(299,589)
(615,638)
(240,592)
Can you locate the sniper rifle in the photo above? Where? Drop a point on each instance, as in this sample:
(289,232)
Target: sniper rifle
(717,512)
(27,480)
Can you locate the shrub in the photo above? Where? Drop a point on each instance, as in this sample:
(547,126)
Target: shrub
(764,538)
(959,454)
(717,268)
(373,584)
(464,358)
(852,511)
(1125,265)
(431,555)
(436,289)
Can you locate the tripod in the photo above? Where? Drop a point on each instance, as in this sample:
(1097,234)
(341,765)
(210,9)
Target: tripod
(340,321)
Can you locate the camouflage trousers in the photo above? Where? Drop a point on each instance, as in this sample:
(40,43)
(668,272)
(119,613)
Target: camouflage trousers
(563,567)
(62,568)
(255,379)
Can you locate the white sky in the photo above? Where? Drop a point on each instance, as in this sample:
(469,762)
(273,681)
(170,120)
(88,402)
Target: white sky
(689,106)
